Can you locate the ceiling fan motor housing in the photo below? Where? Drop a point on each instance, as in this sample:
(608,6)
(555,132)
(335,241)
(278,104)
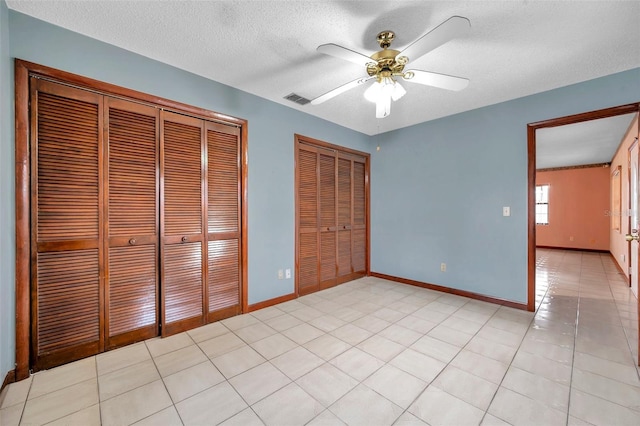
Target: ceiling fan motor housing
(386,62)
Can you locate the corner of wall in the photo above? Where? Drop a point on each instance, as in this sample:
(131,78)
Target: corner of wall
(7,219)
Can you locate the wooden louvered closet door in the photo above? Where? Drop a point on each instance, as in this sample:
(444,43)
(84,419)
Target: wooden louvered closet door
(308,223)
(223,220)
(331,217)
(359,219)
(132,222)
(66,153)
(182,223)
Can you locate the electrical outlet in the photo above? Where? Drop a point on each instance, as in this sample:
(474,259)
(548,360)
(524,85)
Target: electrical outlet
(443,267)
(506,211)
(280,274)
(287,274)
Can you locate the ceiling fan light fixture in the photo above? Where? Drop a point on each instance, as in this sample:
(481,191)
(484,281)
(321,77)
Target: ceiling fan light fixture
(382,92)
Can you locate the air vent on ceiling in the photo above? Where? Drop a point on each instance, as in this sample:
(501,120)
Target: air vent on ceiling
(297,99)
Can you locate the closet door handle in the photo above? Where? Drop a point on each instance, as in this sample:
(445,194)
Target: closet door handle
(184,239)
(132,241)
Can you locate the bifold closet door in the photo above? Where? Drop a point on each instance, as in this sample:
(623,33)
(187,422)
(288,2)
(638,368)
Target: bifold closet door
(66,236)
(359,254)
(132,224)
(328,218)
(345,198)
(308,223)
(223,221)
(183,210)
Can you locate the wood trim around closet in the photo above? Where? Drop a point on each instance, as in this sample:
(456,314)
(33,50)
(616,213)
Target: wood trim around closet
(23,71)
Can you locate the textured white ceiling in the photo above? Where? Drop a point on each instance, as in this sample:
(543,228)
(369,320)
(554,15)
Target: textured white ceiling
(590,142)
(268,48)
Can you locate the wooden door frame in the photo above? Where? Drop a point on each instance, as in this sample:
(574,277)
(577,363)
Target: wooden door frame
(23,71)
(297,140)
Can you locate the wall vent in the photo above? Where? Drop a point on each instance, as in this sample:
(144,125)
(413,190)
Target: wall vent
(297,99)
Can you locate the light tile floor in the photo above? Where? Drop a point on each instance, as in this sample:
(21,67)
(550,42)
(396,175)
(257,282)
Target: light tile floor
(372,352)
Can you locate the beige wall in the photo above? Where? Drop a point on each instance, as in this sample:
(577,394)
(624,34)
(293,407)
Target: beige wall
(618,245)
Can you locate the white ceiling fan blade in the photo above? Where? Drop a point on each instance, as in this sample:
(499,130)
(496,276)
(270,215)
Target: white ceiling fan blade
(338,90)
(434,79)
(456,26)
(344,53)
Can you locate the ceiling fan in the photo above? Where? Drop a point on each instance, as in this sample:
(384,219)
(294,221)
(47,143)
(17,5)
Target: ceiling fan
(388,64)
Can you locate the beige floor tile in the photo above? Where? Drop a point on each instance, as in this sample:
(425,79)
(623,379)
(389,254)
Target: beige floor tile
(306,314)
(449,335)
(347,314)
(417,324)
(240,321)
(163,345)
(254,332)
(212,406)
(289,405)
(128,378)
(175,361)
(598,411)
(429,408)
(362,406)
(613,370)
(467,314)
(122,357)
(16,393)
(418,364)
(273,346)
(388,314)
(491,349)
(326,418)
(544,367)
(135,405)
(381,347)
(208,331)
(61,403)
(400,334)
(327,384)
(435,348)
(192,380)
(303,333)
(462,325)
(283,322)
(238,361)
(327,323)
(63,376)
(357,363)
(466,386)
(408,419)
(605,388)
(167,417)
(259,382)
(481,366)
(220,345)
(396,385)
(246,417)
(267,313)
(491,420)
(548,392)
(515,408)
(10,416)
(297,362)
(428,314)
(503,337)
(327,346)
(89,416)
(371,323)
(547,350)
(351,334)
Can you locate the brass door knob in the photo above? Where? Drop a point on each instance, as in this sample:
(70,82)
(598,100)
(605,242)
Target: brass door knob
(630,237)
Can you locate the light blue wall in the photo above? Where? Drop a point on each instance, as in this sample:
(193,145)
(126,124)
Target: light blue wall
(439,187)
(7,215)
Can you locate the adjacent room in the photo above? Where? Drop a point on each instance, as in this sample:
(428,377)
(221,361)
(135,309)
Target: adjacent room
(319,212)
